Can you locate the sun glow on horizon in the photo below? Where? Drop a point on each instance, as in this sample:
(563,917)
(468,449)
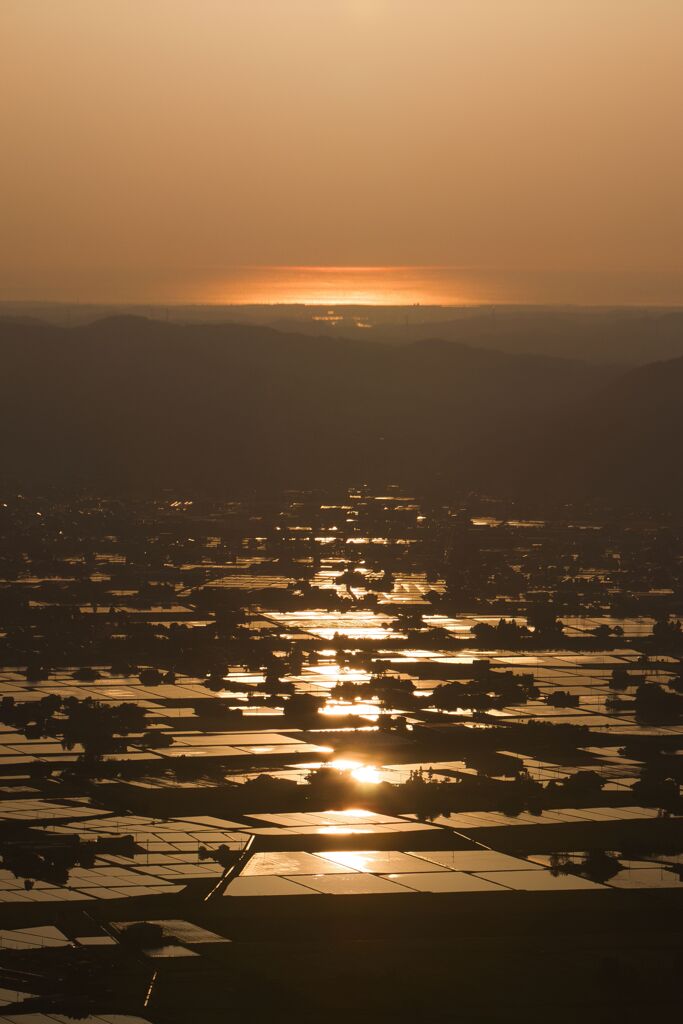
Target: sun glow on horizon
(340,286)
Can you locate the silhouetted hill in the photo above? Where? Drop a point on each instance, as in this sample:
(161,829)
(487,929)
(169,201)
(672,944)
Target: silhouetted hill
(130,401)
(21,320)
(615,336)
(623,443)
(625,337)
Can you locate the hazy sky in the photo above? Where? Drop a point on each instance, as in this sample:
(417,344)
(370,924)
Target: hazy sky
(150,147)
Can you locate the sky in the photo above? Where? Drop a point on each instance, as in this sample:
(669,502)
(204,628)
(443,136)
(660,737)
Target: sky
(449,151)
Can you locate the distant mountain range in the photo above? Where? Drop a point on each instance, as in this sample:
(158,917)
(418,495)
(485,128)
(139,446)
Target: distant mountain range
(133,402)
(615,336)
(627,337)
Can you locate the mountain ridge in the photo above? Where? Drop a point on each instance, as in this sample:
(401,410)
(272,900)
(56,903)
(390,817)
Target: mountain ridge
(134,400)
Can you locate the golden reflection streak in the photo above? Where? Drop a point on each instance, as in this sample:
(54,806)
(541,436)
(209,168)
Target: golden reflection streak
(364,773)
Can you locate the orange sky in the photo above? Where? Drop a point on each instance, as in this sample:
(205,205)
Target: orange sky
(490,150)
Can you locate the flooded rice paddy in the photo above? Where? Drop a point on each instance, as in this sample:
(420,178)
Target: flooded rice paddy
(206,706)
